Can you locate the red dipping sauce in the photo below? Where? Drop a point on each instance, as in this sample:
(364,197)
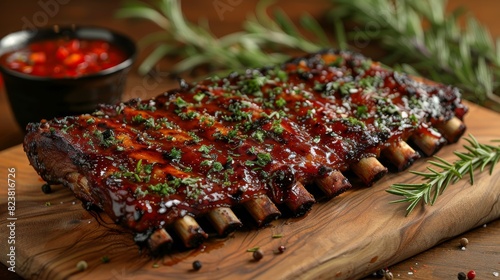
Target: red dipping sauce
(62,58)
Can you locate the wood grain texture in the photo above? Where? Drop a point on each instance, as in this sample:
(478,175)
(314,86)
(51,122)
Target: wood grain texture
(448,259)
(347,237)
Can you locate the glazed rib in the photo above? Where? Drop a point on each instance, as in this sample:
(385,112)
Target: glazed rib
(256,139)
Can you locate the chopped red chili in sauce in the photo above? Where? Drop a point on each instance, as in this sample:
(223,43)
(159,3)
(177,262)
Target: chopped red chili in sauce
(64,58)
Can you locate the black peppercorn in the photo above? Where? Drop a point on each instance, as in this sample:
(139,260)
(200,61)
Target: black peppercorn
(46,189)
(380,273)
(462,276)
(464,242)
(257,255)
(281,249)
(196,265)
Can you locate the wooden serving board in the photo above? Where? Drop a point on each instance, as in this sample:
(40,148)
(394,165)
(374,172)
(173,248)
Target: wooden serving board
(346,237)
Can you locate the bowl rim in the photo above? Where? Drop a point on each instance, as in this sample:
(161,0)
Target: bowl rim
(19,39)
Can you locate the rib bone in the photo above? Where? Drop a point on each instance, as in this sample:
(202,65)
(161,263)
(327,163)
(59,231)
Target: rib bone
(429,144)
(400,154)
(452,130)
(224,220)
(262,209)
(189,231)
(299,199)
(333,184)
(369,170)
(160,240)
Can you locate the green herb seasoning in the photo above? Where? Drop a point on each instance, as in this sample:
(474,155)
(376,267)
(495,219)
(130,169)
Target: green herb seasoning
(262,160)
(175,154)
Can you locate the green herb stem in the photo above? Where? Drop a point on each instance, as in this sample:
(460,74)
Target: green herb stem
(260,43)
(478,156)
(435,43)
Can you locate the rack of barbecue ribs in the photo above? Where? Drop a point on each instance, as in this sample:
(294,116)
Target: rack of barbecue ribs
(253,139)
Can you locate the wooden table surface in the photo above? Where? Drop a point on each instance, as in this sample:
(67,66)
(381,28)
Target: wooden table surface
(444,259)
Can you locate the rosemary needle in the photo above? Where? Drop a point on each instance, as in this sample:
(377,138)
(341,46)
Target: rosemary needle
(478,156)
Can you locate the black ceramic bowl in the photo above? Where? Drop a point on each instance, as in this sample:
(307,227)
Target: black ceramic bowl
(33,98)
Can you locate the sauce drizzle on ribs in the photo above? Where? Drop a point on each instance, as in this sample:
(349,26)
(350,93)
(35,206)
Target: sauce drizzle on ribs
(253,139)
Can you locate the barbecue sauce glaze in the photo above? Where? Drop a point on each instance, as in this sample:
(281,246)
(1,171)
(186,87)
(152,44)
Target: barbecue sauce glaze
(223,141)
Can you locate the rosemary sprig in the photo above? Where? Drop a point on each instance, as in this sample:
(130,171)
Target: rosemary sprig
(417,33)
(197,46)
(422,34)
(478,157)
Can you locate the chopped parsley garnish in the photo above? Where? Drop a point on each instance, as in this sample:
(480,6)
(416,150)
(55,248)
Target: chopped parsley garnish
(140,193)
(355,122)
(259,135)
(189,115)
(282,75)
(165,123)
(237,114)
(142,173)
(217,166)
(146,107)
(362,111)
(138,118)
(208,121)
(232,134)
(193,193)
(119,109)
(252,151)
(181,103)
(319,86)
(150,123)
(162,188)
(277,127)
(170,187)
(338,61)
(205,149)
(253,85)
(206,162)
(66,128)
(262,160)
(175,154)
(194,137)
(277,90)
(199,97)
(345,89)
(107,138)
(413,118)
(280,103)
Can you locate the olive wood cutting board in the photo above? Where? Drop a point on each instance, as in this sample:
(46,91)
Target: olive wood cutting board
(346,237)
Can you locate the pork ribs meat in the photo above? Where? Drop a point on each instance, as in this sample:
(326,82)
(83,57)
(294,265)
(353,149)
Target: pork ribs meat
(253,139)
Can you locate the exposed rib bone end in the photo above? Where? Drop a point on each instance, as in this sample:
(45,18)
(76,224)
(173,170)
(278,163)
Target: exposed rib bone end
(369,170)
(299,199)
(429,144)
(334,184)
(189,231)
(262,209)
(224,220)
(452,130)
(400,154)
(160,241)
